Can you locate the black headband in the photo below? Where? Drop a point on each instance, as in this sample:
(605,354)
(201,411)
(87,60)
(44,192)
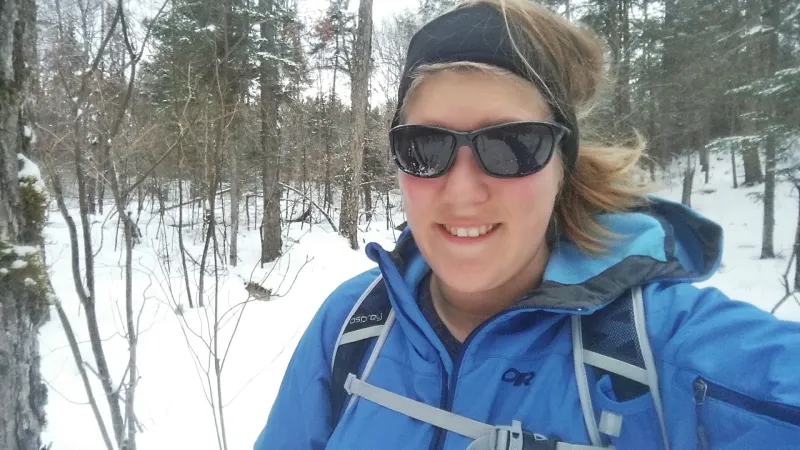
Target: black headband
(478,33)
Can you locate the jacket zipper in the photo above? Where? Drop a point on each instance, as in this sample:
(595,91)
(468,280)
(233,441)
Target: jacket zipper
(439,437)
(450,389)
(443,399)
(700,392)
(704,389)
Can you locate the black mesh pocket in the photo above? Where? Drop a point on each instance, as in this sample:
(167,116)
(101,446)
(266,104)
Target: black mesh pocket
(611,331)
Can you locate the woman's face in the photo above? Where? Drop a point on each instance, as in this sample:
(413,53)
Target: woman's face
(511,215)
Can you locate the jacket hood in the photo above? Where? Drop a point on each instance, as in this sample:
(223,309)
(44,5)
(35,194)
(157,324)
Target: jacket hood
(663,241)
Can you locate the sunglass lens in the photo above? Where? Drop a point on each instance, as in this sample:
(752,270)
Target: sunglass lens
(515,149)
(422,151)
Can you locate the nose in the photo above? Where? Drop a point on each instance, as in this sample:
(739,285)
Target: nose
(465,181)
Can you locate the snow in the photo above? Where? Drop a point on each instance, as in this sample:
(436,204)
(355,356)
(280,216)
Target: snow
(756,30)
(30,169)
(788,72)
(26,131)
(772,90)
(172,403)
(29,282)
(19,264)
(267,55)
(25,250)
(3,271)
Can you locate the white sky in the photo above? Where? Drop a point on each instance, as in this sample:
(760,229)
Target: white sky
(380,8)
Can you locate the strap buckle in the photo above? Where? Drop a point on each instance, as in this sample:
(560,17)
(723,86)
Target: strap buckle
(513,438)
(508,437)
(535,441)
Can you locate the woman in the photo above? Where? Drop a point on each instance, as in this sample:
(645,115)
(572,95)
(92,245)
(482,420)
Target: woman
(538,299)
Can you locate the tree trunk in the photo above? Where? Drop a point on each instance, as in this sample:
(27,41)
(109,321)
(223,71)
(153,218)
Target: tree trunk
(705,163)
(359,93)
(329,141)
(368,201)
(620,28)
(733,169)
(91,192)
(688,180)
(669,138)
(271,219)
(23,306)
(767,248)
(767,241)
(233,159)
(752,164)
(797,243)
(750,158)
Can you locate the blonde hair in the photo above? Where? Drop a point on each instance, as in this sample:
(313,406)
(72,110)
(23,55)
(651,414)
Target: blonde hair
(602,180)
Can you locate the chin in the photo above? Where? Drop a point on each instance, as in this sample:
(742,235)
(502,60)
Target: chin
(468,279)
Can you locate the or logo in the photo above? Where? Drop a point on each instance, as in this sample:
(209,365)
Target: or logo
(518,378)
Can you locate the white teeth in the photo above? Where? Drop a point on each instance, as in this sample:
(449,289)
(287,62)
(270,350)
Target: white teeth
(469,232)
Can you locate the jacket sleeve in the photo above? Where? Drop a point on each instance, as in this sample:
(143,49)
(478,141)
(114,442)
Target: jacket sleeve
(730,371)
(300,417)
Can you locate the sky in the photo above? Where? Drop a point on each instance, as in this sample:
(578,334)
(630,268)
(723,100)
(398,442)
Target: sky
(380,8)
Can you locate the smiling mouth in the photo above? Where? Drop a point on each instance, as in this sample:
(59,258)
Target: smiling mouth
(470,232)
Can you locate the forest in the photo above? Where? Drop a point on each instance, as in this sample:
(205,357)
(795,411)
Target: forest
(206,119)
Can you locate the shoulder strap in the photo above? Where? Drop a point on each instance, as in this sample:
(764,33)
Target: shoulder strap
(614,340)
(370,318)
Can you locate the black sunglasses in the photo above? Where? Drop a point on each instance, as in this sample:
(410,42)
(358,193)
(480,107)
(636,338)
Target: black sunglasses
(508,150)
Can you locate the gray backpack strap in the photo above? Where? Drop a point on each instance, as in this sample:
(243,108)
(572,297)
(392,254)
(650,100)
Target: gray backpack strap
(614,339)
(485,436)
(368,321)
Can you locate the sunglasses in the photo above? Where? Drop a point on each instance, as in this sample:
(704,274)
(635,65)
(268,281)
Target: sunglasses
(508,150)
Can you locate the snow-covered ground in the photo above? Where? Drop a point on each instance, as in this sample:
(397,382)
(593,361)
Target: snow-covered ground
(172,404)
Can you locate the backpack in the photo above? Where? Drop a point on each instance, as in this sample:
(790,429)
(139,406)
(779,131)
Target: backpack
(612,340)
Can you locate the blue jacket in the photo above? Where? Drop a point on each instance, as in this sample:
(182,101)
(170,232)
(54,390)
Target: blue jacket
(749,360)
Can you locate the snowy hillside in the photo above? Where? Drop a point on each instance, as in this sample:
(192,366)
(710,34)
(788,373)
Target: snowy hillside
(173,394)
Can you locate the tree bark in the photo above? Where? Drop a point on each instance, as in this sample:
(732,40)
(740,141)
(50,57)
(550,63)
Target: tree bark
(688,181)
(752,164)
(228,98)
(797,242)
(23,307)
(271,244)
(619,37)
(768,230)
(767,241)
(359,94)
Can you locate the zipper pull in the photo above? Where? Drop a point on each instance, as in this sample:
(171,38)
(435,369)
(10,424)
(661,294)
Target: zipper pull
(700,391)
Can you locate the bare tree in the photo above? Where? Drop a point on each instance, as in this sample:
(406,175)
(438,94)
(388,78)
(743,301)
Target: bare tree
(359,94)
(120,396)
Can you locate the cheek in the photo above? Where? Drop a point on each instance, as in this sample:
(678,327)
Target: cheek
(418,193)
(532,197)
